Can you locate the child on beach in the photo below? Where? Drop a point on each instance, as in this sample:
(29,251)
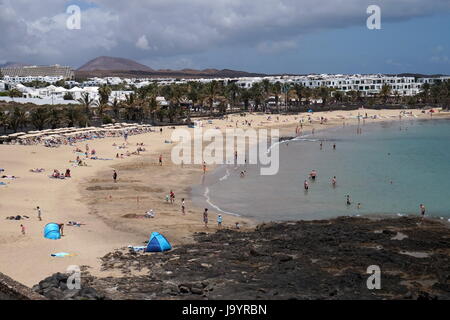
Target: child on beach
(22,227)
(219,221)
(160,159)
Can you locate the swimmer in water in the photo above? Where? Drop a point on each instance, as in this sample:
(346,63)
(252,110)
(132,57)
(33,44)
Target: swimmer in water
(348,200)
(313,175)
(333,181)
(306,185)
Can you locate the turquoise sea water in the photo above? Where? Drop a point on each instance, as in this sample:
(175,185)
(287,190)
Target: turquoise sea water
(390,168)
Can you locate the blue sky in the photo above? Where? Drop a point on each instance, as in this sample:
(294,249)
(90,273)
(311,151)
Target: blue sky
(268,36)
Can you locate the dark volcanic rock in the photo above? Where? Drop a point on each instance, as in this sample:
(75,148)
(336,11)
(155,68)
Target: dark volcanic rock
(325,259)
(55,288)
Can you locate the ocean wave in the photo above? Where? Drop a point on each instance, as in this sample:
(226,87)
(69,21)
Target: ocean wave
(208,201)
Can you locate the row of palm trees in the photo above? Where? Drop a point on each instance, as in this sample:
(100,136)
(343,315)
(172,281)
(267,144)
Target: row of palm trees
(212,99)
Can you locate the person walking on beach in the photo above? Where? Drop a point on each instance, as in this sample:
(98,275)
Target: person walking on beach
(219,221)
(160,159)
(39,212)
(22,228)
(114,176)
(204,167)
(334,146)
(205,217)
(183,208)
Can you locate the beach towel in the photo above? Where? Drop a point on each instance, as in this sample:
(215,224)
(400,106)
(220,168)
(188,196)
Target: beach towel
(62,254)
(137,249)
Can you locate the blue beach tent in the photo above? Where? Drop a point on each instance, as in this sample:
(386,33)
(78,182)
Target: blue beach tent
(158,243)
(51,231)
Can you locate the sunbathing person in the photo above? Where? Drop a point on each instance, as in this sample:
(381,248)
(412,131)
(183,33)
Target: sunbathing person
(75,224)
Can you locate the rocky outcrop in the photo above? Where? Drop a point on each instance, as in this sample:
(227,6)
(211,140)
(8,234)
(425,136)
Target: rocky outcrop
(325,259)
(13,290)
(55,288)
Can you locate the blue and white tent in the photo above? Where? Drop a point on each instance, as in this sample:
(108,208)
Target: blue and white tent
(158,243)
(51,231)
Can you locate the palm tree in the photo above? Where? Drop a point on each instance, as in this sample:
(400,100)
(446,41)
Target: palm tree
(276,90)
(104,92)
(18,119)
(256,93)
(286,89)
(212,91)
(73,115)
(4,120)
(153,106)
(266,86)
(193,94)
(115,106)
(232,92)
(86,102)
(425,92)
(299,92)
(129,104)
(39,117)
(385,92)
(55,117)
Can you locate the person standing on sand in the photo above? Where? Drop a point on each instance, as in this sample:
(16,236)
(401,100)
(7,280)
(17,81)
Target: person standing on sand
(219,221)
(183,208)
(204,167)
(422,211)
(205,217)
(160,159)
(114,176)
(22,228)
(61,229)
(172,197)
(39,213)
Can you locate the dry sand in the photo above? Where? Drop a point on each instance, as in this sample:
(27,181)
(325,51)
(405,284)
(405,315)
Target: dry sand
(109,209)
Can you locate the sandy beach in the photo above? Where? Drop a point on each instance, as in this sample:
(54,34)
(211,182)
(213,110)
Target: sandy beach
(112,212)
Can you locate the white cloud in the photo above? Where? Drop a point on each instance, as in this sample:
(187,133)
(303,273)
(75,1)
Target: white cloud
(142,43)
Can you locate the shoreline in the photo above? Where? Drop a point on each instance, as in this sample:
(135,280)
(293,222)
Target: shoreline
(27,258)
(204,196)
